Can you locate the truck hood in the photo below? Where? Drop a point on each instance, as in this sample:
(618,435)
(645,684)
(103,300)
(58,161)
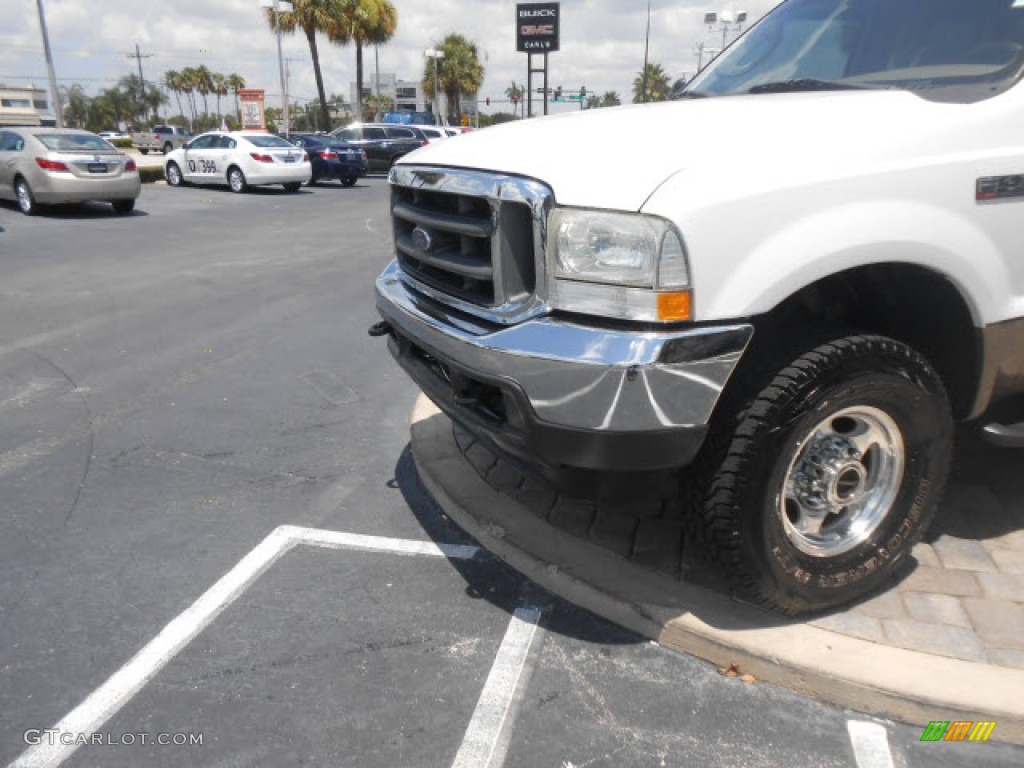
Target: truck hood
(616,158)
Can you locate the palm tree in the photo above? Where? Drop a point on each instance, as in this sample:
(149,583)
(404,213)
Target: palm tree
(78,103)
(310,16)
(459,72)
(611,99)
(220,88)
(204,84)
(514,93)
(187,82)
(236,83)
(172,80)
(364,22)
(658,86)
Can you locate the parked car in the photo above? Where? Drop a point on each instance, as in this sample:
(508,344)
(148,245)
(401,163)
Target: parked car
(240,160)
(383,143)
(165,138)
(331,158)
(41,166)
(111,135)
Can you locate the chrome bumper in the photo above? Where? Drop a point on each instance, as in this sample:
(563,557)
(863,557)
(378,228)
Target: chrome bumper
(575,379)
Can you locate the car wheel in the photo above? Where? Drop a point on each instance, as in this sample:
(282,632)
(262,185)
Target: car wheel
(144,151)
(26,201)
(349,182)
(293,186)
(831,475)
(173,174)
(124,206)
(168,148)
(236,180)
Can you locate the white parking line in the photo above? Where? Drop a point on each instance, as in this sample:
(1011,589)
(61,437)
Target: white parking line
(870,744)
(481,746)
(105,701)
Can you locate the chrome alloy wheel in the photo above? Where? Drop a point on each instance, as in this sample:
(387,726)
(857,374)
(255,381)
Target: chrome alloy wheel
(842,481)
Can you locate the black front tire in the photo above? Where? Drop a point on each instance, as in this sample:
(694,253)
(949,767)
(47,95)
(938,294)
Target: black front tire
(779,465)
(168,148)
(124,206)
(144,151)
(293,186)
(173,174)
(349,182)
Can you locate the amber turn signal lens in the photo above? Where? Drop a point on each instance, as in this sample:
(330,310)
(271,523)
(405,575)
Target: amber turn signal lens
(674,306)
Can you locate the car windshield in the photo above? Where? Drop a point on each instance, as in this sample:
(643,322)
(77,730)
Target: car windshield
(73,142)
(267,141)
(946,50)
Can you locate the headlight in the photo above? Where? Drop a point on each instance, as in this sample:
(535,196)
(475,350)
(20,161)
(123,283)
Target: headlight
(620,265)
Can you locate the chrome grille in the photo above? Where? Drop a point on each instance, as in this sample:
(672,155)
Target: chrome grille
(473,239)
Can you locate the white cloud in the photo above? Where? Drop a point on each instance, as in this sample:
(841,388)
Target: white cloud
(601,46)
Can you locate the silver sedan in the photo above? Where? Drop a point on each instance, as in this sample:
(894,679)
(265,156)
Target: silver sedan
(40,166)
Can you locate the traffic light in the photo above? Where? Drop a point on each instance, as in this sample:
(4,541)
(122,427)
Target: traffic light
(583,91)
(558,93)
(488,100)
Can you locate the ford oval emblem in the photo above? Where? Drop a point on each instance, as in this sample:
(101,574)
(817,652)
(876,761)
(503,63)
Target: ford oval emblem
(422,239)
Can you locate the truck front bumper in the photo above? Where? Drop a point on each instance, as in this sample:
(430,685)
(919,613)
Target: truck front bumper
(558,391)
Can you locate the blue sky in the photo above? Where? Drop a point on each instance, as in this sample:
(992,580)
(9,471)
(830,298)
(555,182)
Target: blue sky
(602,42)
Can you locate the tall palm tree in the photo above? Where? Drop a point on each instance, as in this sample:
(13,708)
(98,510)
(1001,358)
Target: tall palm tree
(204,84)
(364,22)
(236,83)
(172,81)
(310,16)
(220,88)
(459,72)
(658,86)
(187,81)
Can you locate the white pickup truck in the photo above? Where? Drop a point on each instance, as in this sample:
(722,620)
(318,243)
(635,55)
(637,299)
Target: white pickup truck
(793,284)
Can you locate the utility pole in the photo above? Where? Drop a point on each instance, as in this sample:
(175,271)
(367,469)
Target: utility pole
(54,93)
(647,45)
(139,57)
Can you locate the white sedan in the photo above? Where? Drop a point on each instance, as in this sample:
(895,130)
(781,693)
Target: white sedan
(240,160)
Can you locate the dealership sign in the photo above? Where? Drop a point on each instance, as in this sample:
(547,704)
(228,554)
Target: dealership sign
(537,27)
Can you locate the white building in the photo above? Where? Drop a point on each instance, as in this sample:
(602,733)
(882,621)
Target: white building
(407,95)
(26,106)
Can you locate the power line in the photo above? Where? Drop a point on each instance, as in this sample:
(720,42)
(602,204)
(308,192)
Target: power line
(139,56)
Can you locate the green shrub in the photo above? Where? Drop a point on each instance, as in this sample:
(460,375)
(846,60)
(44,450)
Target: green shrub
(150,174)
(122,143)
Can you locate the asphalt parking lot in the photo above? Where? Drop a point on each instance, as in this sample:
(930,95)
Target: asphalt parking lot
(210,524)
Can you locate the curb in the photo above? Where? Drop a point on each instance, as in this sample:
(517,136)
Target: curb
(910,686)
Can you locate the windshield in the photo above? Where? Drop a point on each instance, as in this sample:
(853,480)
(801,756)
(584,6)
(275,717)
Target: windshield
(946,50)
(268,141)
(74,142)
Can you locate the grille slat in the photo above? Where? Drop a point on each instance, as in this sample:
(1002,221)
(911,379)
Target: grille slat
(450,259)
(446,222)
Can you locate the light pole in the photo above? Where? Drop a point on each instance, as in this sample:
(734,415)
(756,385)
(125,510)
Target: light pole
(280,64)
(731,22)
(55,94)
(434,54)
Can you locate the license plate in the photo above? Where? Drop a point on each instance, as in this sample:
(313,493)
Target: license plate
(97,168)
(288,159)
